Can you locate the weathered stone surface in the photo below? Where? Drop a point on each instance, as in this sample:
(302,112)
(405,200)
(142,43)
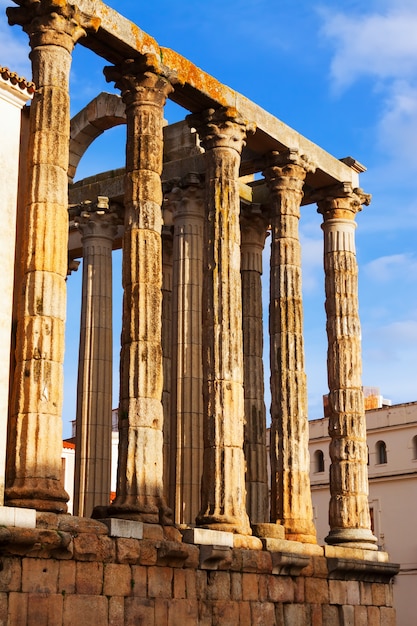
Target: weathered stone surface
(290,464)
(140,485)
(98,226)
(222,134)
(349,510)
(253,226)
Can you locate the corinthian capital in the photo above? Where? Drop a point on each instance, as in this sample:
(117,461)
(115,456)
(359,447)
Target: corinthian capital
(51,22)
(341,201)
(221,128)
(287,170)
(139,81)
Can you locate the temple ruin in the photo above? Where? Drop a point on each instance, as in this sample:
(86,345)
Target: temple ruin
(198,533)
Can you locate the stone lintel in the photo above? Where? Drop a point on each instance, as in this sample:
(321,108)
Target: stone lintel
(355,569)
(206,536)
(124,528)
(14,516)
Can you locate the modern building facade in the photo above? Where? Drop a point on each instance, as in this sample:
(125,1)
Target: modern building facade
(392,469)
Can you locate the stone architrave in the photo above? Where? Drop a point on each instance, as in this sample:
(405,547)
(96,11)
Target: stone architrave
(35,428)
(139,494)
(92,484)
(188,202)
(254,229)
(291,504)
(349,517)
(223,494)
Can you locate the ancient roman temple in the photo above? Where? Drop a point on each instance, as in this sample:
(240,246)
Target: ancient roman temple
(211,524)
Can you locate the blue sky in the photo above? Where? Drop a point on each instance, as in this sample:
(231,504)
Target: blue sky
(344,74)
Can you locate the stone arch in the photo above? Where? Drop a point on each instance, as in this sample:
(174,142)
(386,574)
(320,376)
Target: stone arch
(105,111)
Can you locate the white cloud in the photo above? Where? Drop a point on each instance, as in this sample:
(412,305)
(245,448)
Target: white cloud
(382,48)
(391,267)
(380,45)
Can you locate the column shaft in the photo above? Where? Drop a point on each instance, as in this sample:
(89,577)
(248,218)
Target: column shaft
(253,233)
(223,506)
(291,503)
(140,470)
(95,366)
(167,342)
(349,510)
(35,432)
(187,397)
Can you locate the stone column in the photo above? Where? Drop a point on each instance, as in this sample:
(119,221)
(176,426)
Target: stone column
(291,503)
(253,230)
(139,492)
(167,339)
(98,227)
(349,518)
(188,202)
(35,433)
(223,506)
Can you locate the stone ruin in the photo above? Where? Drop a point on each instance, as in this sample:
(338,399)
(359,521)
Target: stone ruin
(200,532)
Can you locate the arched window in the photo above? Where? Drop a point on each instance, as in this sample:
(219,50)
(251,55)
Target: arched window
(318,461)
(381,452)
(415,447)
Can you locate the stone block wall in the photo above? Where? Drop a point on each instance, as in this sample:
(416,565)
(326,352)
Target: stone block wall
(76,574)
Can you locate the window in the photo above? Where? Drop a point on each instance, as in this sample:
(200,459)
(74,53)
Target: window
(415,447)
(318,461)
(381,453)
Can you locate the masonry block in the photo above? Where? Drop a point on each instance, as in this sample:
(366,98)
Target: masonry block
(117,580)
(85,609)
(160,582)
(40,575)
(89,578)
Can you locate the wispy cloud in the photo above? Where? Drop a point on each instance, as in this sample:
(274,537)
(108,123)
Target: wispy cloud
(390,267)
(381,48)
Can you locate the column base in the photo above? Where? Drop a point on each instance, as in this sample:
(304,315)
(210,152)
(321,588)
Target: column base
(359,538)
(42,494)
(224,523)
(161,515)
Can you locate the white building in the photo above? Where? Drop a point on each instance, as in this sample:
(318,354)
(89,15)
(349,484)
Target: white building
(392,466)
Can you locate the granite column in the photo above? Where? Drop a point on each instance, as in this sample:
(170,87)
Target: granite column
(291,504)
(35,429)
(349,517)
(139,494)
(98,227)
(253,228)
(222,133)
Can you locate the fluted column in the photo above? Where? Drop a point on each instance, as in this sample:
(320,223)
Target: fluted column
(98,227)
(139,492)
(35,433)
(254,227)
(349,510)
(188,202)
(167,340)
(291,503)
(223,506)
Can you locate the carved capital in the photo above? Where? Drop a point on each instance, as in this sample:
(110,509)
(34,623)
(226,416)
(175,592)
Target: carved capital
(221,128)
(254,224)
(341,202)
(97,219)
(286,171)
(139,81)
(51,22)
(186,198)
